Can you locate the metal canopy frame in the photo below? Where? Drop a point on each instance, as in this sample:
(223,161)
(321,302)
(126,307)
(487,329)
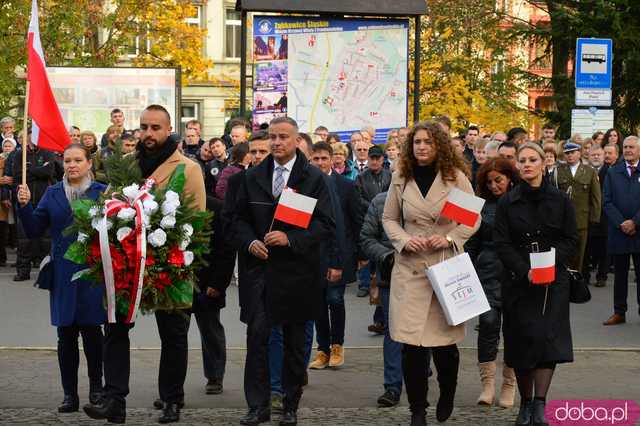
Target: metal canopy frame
(333,9)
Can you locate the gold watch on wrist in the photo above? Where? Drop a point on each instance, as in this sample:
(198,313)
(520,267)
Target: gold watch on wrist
(449,240)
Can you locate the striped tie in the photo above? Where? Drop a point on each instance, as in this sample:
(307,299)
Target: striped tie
(278,183)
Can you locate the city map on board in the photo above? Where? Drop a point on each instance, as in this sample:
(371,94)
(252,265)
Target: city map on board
(343,74)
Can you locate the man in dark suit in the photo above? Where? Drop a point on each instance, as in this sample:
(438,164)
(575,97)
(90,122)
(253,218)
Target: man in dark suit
(340,263)
(284,260)
(622,206)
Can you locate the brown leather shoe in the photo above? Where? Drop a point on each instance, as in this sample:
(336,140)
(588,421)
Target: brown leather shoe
(615,319)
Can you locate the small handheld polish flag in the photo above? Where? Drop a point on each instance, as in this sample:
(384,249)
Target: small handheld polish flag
(295,209)
(543,267)
(462,207)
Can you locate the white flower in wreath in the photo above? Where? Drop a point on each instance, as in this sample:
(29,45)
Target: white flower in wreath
(131,192)
(150,206)
(123,233)
(169,207)
(168,221)
(172,196)
(157,238)
(95,222)
(127,214)
(185,243)
(93,211)
(187,228)
(82,237)
(188,258)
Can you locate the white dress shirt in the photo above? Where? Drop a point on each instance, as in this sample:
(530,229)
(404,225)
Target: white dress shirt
(285,174)
(574,169)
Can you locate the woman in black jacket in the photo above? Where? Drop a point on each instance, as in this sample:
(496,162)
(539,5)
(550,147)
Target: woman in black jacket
(495,178)
(533,217)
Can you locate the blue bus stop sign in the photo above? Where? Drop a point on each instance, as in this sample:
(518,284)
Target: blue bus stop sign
(593,63)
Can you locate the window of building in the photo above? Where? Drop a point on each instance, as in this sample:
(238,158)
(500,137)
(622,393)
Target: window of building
(139,44)
(196,19)
(189,110)
(233,24)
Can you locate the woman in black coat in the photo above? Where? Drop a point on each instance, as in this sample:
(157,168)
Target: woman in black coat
(534,216)
(495,178)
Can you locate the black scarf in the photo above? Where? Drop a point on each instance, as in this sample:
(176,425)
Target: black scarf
(150,161)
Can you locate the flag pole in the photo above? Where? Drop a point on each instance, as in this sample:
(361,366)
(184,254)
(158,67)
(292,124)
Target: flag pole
(25,134)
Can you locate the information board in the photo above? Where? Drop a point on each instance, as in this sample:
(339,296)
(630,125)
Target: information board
(86,96)
(343,74)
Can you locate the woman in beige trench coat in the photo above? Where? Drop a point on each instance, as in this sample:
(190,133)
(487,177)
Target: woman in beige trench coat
(427,171)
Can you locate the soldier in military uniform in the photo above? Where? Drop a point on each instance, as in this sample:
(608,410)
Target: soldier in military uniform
(581,184)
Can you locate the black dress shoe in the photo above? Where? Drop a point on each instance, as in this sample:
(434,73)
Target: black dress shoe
(108,409)
(524,415)
(213,387)
(20,277)
(537,413)
(158,404)
(289,418)
(70,404)
(170,413)
(444,407)
(255,416)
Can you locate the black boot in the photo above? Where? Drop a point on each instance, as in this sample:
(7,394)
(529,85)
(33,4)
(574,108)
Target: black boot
(447,362)
(524,415)
(170,413)
(108,409)
(70,404)
(537,414)
(418,418)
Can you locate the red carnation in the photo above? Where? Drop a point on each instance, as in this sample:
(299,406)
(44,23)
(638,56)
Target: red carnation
(176,256)
(94,248)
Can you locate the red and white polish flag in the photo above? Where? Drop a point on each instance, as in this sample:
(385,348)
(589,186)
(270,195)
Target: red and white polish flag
(48,130)
(462,207)
(295,209)
(543,267)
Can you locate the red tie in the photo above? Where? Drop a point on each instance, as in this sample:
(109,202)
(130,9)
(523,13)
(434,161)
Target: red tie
(632,169)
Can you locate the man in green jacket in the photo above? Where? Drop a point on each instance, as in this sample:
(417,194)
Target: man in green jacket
(581,184)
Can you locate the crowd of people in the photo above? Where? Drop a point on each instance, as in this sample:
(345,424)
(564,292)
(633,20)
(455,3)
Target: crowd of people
(376,222)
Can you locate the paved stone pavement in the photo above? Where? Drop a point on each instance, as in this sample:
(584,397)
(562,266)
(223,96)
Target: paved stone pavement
(30,389)
(306,416)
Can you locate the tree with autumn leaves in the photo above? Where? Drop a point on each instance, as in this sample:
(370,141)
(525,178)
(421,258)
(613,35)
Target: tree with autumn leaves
(468,71)
(99,33)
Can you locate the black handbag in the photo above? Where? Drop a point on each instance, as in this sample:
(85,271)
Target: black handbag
(45,274)
(578,289)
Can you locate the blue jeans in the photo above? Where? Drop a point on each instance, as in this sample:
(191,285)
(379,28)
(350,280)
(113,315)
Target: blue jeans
(364,277)
(330,326)
(392,351)
(276,354)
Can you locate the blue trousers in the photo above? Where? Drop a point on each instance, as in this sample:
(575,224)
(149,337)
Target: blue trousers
(392,351)
(330,326)
(276,354)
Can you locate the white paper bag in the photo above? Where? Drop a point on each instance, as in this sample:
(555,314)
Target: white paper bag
(458,289)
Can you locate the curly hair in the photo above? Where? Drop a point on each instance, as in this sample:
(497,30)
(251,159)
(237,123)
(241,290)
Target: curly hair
(499,165)
(447,161)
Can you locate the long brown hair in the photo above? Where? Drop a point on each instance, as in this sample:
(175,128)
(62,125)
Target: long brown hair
(447,161)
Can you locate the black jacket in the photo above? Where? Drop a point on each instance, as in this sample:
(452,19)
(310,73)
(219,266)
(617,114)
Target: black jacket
(290,275)
(374,242)
(484,256)
(352,222)
(525,216)
(40,171)
(369,184)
